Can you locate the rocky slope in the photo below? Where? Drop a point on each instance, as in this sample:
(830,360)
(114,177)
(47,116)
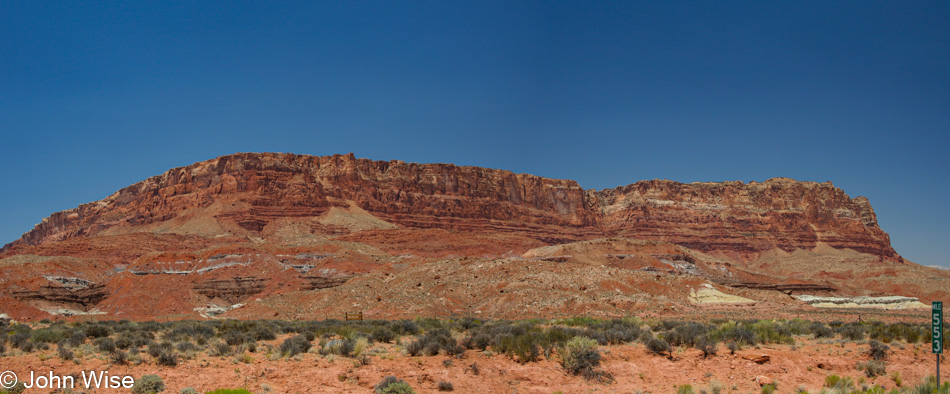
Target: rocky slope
(291,236)
(252,194)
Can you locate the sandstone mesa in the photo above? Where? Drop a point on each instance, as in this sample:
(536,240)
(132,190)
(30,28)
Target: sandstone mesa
(268,234)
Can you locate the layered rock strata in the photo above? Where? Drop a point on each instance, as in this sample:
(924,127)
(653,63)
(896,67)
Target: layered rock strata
(250,193)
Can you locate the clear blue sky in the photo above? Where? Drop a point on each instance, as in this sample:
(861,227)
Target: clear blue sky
(95,96)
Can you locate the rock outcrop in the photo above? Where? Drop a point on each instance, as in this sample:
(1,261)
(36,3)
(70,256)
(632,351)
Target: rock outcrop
(256,193)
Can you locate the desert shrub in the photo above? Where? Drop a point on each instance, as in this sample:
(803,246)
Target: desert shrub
(686,334)
(618,331)
(64,352)
(96,331)
(229,391)
(188,390)
(852,331)
(912,334)
(434,341)
(896,377)
(220,349)
(768,331)
(17,388)
(137,338)
(393,385)
(877,350)
(468,323)
(525,347)
(659,347)
(797,326)
(445,386)
(187,330)
(155,349)
(579,356)
(19,339)
(477,340)
(27,346)
(105,345)
(819,330)
(769,388)
(429,323)
(148,384)
(167,358)
(119,357)
(359,346)
(47,335)
(383,335)
(733,332)
(883,333)
(3,348)
(184,347)
(405,327)
(235,338)
(668,325)
(294,345)
(929,386)
(341,347)
(707,346)
(123,342)
(873,368)
(76,338)
(684,389)
(583,321)
(733,346)
(264,334)
(838,383)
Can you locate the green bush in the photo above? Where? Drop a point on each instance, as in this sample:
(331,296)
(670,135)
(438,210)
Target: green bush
(47,335)
(17,388)
(393,385)
(579,356)
(732,332)
(929,386)
(148,384)
(838,383)
(686,334)
(768,331)
(684,389)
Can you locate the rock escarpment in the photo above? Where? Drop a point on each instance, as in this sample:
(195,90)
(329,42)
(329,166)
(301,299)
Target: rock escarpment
(255,193)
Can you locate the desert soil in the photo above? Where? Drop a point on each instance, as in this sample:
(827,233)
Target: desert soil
(634,369)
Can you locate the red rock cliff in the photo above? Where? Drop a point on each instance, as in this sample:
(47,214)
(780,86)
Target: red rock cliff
(249,191)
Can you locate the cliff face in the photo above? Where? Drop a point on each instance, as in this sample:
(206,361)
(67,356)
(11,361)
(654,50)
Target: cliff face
(250,192)
(738,217)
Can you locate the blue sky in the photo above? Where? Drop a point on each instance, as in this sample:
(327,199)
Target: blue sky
(95,96)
